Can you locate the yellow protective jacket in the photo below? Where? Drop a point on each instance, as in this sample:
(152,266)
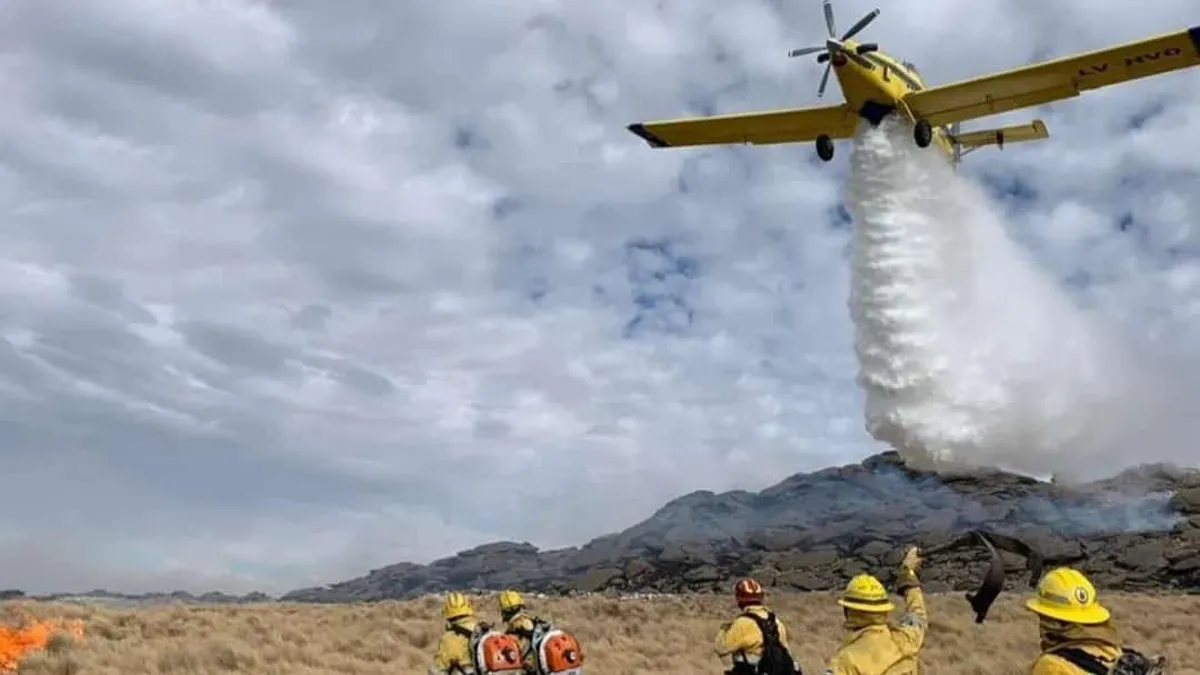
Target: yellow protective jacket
(521,625)
(1100,641)
(454,649)
(882,649)
(741,640)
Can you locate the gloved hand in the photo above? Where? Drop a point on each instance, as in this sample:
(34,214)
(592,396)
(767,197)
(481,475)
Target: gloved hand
(907,578)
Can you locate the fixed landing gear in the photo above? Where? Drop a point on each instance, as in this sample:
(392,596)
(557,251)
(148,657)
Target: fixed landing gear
(824,147)
(923,133)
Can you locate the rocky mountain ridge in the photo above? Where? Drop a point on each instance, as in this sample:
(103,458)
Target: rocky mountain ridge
(812,531)
(1138,530)
(104,596)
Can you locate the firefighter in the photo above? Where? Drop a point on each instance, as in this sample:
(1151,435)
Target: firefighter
(519,622)
(453,653)
(1075,628)
(871,646)
(756,641)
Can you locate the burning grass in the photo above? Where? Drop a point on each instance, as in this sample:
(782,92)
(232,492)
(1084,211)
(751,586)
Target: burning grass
(25,634)
(664,636)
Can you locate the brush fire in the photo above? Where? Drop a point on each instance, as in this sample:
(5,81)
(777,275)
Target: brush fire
(31,635)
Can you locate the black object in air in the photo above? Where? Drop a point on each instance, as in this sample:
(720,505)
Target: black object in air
(993,580)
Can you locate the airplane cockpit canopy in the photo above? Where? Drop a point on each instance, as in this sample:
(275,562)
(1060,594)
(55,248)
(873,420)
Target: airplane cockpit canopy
(912,68)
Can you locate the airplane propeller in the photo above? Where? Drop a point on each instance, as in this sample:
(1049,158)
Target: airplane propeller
(835,45)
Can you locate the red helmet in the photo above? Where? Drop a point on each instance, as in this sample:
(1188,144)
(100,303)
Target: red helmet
(748,592)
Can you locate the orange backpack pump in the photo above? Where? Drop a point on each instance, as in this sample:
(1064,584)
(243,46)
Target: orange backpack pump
(558,652)
(494,652)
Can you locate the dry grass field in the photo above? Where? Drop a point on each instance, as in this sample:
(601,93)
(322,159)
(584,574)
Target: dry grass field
(655,636)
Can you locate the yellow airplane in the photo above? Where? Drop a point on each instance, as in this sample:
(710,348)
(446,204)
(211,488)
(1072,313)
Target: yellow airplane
(875,85)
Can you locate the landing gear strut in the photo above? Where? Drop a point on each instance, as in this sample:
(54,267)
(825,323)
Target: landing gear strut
(922,133)
(824,147)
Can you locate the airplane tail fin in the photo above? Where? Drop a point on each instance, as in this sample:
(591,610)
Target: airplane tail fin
(973,140)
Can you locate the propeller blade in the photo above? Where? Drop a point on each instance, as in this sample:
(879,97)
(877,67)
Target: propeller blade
(829,19)
(805,50)
(824,81)
(862,23)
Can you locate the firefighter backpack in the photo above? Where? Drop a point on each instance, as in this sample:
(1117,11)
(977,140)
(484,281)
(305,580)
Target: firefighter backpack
(1132,662)
(558,652)
(494,652)
(775,658)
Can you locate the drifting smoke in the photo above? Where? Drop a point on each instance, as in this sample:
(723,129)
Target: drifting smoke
(970,356)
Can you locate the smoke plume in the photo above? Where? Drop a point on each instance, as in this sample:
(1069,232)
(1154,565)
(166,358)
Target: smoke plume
(972,356)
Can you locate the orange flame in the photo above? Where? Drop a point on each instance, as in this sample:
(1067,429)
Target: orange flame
(18,642)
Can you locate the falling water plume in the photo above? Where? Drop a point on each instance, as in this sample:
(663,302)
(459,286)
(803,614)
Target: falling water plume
(970,355)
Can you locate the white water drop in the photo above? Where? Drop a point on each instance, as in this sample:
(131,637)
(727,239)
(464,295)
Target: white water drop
(972,356)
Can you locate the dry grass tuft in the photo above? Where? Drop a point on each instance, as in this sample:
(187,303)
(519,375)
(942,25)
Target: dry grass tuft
(664,636)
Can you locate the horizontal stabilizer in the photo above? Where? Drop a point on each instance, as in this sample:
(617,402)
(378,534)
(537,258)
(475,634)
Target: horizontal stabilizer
(1015,134)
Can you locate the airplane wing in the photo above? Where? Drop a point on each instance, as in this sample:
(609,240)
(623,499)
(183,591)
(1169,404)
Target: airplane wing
(1056,79)
(1014,134)
(757,128)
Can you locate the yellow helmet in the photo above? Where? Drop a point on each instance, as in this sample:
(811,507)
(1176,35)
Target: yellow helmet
(1066,595)
(511,600)
(457,605)
(866,594)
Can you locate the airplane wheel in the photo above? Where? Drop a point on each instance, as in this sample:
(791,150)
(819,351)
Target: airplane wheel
(824,147)
(922,133)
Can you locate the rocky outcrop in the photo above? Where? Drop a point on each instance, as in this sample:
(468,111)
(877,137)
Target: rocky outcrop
(1137,530)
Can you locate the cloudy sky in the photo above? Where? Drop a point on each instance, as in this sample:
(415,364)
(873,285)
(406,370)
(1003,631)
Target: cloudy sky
(291,290)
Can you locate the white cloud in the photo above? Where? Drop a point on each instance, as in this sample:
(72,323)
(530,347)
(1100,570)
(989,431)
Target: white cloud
(291,290)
